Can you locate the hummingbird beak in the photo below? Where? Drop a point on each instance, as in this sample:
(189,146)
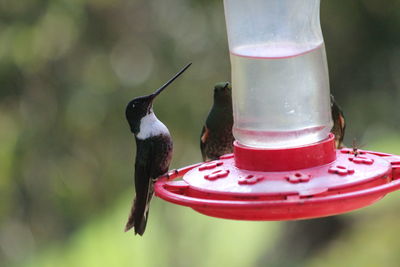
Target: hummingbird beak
(156,93)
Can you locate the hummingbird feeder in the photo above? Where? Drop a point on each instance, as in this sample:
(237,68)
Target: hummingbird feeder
(285,165)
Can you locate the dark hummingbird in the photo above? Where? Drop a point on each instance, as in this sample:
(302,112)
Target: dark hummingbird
(216,136)
(153,153)
(339,124)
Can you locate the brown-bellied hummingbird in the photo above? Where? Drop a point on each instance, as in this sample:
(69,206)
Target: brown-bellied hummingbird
(216,136)
(339,124)
(153,153)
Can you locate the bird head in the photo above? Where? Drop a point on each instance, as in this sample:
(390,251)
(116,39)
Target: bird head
(222,92)
(141,106)
(137,109)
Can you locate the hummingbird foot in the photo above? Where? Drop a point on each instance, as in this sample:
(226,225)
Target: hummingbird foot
(171,174)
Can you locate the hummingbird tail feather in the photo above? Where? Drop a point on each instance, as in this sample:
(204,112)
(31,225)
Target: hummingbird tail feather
(131,219)
(138,217)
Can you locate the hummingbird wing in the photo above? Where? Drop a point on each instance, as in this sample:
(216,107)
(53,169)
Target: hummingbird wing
(143,187)
(203,141)
(339,124)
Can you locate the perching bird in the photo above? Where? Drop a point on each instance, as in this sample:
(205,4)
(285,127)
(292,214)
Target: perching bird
(216,136)
(153,153)
(339,125)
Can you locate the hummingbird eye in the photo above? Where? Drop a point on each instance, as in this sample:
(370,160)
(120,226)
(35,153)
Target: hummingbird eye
(133,105)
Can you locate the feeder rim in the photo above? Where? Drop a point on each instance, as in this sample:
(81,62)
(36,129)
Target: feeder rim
(163,193)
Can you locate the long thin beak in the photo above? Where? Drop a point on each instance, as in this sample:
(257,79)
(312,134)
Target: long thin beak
(156,93)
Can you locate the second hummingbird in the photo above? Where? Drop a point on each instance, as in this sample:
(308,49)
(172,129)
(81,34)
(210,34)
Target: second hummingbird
(339,124)
(216,136)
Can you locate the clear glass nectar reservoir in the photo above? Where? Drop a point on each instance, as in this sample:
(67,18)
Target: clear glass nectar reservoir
(279,72)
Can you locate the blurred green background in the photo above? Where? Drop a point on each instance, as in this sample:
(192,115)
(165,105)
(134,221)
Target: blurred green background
(67,70)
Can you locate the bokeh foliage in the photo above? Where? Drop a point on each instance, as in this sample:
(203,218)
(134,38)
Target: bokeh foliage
(67,70)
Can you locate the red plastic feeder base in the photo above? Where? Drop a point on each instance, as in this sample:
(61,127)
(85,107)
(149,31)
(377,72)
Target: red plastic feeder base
(299,183)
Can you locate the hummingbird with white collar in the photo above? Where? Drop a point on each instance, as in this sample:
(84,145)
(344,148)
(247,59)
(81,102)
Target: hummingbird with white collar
(153,153)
